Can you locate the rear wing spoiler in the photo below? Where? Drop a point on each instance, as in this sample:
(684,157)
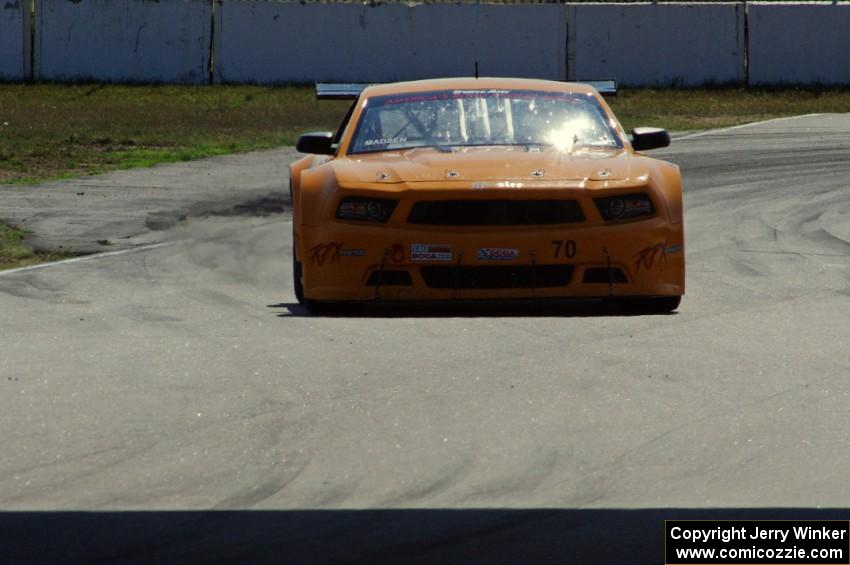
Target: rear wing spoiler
(606,87)
(339,90)
(351,90)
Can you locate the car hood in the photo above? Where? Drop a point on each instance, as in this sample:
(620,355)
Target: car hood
(489,164)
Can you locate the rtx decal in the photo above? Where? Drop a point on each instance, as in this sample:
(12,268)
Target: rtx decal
(325,252)
(655,255)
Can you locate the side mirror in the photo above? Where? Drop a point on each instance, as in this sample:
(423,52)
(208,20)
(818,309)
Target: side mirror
(649,138)
(317,143)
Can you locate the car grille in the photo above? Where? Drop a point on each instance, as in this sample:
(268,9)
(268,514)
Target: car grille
(508,276)
(495,212)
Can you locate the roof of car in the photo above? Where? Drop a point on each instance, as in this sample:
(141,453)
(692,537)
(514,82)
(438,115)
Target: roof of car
(471,83)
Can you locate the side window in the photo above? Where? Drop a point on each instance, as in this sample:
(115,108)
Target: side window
(344,123)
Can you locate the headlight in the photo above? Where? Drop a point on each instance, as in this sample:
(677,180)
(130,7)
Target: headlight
(624,207)
(366,209)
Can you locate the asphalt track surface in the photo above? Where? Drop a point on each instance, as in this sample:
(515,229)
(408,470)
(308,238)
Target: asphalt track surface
(174,403)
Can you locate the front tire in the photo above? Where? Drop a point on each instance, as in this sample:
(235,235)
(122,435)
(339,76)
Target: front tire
(314,307)
(297,286)
(649,305)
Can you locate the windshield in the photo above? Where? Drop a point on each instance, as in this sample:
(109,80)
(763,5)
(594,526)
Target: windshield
(447,119)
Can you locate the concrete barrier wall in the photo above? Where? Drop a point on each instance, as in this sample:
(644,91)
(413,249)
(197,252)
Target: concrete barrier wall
(123,40)
(802,44)
(270,42)
(14,40)
(657,44)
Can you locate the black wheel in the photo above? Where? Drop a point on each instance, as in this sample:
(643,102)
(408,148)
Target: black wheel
(296,280)
(314,307)
(649,305)
(663,304)
(296,274)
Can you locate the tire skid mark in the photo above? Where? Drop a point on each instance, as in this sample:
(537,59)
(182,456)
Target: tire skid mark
(527,479)
(429,487)
(255,494)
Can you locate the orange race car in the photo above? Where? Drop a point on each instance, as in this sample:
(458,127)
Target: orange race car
(490,188)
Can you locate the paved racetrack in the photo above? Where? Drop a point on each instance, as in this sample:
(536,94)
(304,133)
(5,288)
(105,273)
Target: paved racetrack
(184,378)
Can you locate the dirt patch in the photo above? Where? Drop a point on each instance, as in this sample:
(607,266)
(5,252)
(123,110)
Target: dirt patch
(260,207)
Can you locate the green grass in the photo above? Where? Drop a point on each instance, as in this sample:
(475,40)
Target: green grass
(705,108)
(55,131)
(15,253)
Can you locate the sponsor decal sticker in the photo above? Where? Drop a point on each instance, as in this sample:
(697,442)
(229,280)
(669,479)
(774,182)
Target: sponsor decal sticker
(531,95)
(430,252)
(497,254)
(655,255)
(503,184)
(479,92)
(385,140)
(352,252)
(325,252)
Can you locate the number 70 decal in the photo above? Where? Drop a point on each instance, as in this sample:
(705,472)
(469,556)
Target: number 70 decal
(564,248)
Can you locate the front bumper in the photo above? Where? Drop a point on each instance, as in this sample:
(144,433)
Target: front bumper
(350,262)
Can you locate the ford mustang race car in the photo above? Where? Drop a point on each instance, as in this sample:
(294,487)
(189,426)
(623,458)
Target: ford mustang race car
(477,189)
